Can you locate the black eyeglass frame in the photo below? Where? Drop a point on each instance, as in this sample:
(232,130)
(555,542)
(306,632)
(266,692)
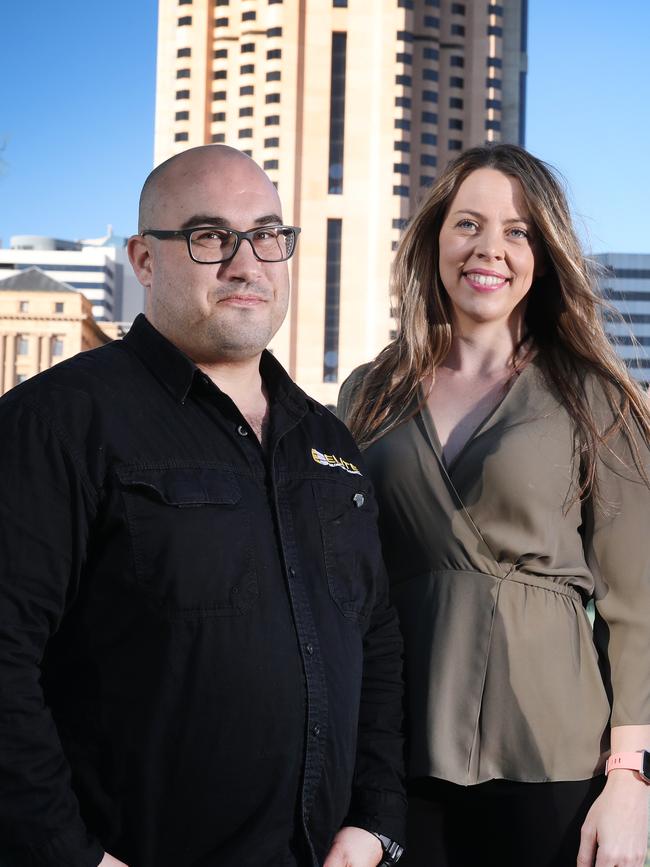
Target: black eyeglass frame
(166,234)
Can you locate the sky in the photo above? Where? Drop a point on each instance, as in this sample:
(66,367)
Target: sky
(78,95)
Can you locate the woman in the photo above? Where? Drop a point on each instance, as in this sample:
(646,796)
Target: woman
(509,451)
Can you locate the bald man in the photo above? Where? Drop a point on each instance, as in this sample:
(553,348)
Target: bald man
(198,663)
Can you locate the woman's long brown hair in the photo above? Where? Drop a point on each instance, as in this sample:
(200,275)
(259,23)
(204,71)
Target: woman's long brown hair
(563,315)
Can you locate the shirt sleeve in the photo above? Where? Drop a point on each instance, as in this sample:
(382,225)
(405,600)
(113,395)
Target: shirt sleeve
(378,800)
(617,547)
(45,509)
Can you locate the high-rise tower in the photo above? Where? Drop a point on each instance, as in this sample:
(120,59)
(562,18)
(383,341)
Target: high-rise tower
(351,106)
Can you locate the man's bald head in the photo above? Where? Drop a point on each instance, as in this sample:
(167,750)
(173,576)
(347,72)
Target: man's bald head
(180,168)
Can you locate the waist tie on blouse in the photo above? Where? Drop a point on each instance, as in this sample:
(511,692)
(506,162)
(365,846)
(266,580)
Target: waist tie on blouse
(542,583)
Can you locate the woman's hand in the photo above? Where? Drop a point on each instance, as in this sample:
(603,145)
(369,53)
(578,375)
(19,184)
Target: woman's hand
(615,832)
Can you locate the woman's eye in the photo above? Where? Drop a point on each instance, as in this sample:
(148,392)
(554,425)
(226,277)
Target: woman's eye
(519,233)
(466,224)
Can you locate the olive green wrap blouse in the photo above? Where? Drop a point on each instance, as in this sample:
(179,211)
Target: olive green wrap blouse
(491,565)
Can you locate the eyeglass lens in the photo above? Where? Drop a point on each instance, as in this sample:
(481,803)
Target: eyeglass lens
(271,244)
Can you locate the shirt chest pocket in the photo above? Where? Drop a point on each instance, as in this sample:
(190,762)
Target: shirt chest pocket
(191,538)
(351,548)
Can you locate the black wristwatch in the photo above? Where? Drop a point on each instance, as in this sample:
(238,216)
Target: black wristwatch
(392,850)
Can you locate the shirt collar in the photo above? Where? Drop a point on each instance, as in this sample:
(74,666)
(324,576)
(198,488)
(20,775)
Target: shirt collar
(176,371)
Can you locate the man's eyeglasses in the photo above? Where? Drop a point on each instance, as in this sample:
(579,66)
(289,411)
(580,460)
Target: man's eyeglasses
(209,245)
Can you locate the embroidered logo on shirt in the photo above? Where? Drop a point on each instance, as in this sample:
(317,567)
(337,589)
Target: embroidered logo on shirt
(333,461)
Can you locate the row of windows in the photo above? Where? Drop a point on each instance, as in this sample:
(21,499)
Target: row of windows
(245,69)
(22,345)
(404,168)
(427,117)
(227,2)
(271,32)
(271,54)
(245,90)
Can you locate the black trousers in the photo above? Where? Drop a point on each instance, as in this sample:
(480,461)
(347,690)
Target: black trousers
(498,823)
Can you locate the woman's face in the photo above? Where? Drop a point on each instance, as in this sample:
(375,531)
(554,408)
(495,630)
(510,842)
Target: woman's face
(488,252)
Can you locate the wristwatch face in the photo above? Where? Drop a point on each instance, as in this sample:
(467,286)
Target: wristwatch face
(645,768)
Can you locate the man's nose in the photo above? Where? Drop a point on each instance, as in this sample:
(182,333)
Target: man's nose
(244,263)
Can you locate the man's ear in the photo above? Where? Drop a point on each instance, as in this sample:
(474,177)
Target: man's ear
(140,257)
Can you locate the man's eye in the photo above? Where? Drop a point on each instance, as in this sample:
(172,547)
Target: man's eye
(266,234)
(211,236)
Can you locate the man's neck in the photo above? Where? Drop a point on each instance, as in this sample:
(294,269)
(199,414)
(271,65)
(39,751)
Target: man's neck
(242,382)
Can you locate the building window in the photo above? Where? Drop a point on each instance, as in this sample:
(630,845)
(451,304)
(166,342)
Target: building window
(455,81)
(22,346)
(401,169)
(455,123)
(340,3)
(220,52)
(493,82)
(58,306)
(493,103)
(495,61)
(220,22)
(219,94)
(57,346)
(429,117)
(185,20)
(247,47)
(402,123)
(247,68)
(247,90)
(493,30)
(274,76)
(405,4)
(400,223)
(401,191)
(332,301)
(247,111)
(457,8)
(182,136)
(429,96)
(493,124)
(457,61)
(274,54)
(272,2)
(495,9)
(430,74)
(404,80)
(273,31)
(182,115)
(23,306)
(182,73)
(222,2)
(430,53)
(403,101)
(404,57)
(272,120)
(454,145)
(249,16)
(457,30)
(428,160)
(404,36)
(184,52)
(426,180)
(245,133)
(219,74)
(218,116)
(182,94)
(272,142)
(272,97)
(429,138)
(218,138)
(184,2)
(430,21)
(404,146)
(337,113)
(271,164)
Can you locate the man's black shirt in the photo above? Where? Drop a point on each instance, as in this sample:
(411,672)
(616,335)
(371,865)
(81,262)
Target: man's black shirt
(198,663)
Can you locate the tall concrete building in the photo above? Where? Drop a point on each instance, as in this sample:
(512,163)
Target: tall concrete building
(625,285)
(351,106)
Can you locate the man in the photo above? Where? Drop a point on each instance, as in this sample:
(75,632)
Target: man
(198,663)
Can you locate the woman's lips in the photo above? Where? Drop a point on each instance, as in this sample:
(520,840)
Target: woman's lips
(485,281)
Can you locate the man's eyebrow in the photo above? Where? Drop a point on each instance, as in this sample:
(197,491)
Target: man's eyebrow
(481,217)
(216,220)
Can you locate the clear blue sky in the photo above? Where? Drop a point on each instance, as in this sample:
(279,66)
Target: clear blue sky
(77,104)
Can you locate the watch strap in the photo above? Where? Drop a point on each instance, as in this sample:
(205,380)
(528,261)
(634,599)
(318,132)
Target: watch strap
(638,761)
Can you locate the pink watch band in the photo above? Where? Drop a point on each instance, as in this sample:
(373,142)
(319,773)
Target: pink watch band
(629,761)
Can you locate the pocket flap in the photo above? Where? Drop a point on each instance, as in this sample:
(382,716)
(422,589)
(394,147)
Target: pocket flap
(184,486)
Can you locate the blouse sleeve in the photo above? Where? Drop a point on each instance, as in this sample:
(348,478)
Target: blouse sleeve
(617,548)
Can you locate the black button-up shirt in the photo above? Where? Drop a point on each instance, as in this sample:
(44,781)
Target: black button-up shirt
(198,662)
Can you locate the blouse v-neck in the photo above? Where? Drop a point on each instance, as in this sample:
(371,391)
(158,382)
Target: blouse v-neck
(432,431)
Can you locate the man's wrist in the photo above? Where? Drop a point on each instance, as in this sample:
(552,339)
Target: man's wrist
(392,850)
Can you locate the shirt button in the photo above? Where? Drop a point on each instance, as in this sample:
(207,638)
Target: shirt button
(316,730)
(241,430)
(292,572)
(309,648)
